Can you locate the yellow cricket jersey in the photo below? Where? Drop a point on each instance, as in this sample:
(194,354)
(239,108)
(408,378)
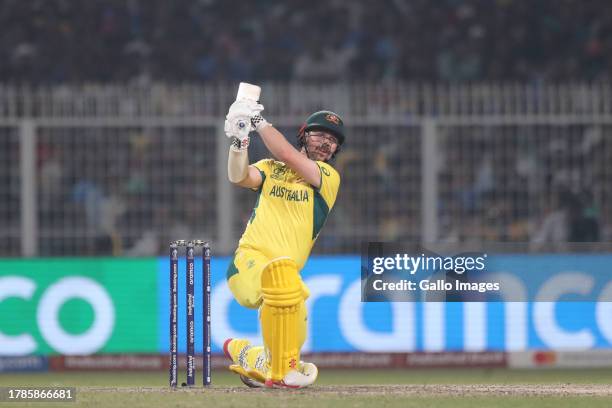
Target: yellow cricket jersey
(289,213)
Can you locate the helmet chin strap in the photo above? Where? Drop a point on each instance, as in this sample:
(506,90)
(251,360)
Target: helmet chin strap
(308,154)
(306,146)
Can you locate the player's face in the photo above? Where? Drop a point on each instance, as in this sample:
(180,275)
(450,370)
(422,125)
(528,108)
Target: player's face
(321,145)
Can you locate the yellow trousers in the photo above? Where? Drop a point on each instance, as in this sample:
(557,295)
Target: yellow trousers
(244,277)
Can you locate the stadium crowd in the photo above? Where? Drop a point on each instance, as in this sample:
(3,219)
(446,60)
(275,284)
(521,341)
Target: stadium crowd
(53,41)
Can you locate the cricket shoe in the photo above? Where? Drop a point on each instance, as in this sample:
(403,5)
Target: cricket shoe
(304,376)
(249,362)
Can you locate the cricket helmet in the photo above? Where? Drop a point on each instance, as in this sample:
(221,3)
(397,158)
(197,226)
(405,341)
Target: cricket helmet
(324,120)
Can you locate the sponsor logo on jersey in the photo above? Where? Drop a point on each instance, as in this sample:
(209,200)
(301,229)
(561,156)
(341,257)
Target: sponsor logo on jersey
(279,172)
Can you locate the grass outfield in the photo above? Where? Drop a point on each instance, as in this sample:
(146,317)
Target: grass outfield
(342,388)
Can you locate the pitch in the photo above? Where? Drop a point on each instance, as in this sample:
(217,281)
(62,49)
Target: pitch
(344,388)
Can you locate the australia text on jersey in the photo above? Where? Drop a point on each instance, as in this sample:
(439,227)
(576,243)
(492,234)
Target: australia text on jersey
(289,194)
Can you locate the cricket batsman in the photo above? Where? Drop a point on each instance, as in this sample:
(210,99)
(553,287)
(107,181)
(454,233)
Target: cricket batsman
(296,190)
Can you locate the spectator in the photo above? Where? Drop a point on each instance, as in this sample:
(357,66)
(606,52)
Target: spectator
(570,221)
(457,40)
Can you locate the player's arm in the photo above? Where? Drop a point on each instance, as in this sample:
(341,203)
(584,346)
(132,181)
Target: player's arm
(282,150)
(237,128)
(240,172)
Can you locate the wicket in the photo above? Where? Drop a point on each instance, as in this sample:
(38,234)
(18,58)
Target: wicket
(190,296)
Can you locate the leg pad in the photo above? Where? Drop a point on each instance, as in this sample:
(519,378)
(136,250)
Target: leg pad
(283,300)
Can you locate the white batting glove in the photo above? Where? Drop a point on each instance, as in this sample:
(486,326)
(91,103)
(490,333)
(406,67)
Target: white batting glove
(240,140)
(238,122)
(258,122)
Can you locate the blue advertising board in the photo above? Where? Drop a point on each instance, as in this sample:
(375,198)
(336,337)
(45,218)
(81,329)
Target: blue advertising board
(339,321)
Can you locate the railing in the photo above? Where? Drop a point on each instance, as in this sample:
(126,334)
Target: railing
(111,169)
